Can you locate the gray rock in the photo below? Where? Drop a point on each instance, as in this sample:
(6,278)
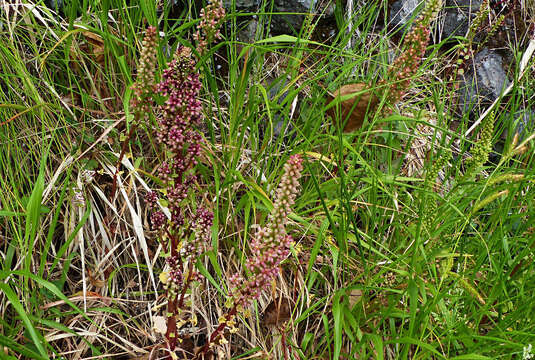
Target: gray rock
(484,81)
(55,4)
(293,5)
(401,11)
(277,86)
(248,34)
(308,4)
(524,122)
(281,124)
(456,19)
(241,4)
(458,15)
(289,23)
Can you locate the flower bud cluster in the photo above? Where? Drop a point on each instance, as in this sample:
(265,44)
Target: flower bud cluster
(174,280)
(406,65)
(181,113)
(430,206)
(208,29)
(187,233)
(203,225)
(483,146)
(271,245)
(143,88)
(430,12)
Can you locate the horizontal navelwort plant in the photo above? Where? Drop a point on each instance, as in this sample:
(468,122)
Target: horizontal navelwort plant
(407,64)
(185,234)
(269,247)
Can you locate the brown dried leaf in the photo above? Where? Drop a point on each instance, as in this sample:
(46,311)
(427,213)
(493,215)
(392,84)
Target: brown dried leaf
(347,109)
(94,280)
(354,296)
(93,45)
(277,312)
(97,46)
(93,38)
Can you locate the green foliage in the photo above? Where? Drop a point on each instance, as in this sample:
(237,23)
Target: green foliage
(386,264)
(482,148)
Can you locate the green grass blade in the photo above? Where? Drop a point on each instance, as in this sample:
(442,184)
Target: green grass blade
(19,308)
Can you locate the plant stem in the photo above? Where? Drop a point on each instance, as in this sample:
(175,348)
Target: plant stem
(283,343)
(216,332)
(171,334)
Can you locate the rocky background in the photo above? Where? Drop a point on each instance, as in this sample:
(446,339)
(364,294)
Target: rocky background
(488,70)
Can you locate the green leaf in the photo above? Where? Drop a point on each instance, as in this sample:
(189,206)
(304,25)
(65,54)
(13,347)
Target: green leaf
(35,336)
(338,324)
(7,213)
(413,296)
(207,275)
(18,349)
(53,224)
(71,237)
(288,38)
(378,345)
(423,345)
(125,69)
(33,213)
(317,245)
(149,10)
(51,287)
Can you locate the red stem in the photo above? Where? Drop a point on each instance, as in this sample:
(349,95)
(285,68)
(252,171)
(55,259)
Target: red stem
(283,343)
(171,324)
(171,334)
(216,332)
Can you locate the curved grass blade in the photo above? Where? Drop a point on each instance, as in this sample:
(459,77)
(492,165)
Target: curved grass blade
(19,308)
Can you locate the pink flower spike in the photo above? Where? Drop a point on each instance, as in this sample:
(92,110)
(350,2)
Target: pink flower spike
(270,245)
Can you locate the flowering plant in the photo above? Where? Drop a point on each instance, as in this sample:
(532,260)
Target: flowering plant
(407,63)
(208,29)
(269,247)
(187,233)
